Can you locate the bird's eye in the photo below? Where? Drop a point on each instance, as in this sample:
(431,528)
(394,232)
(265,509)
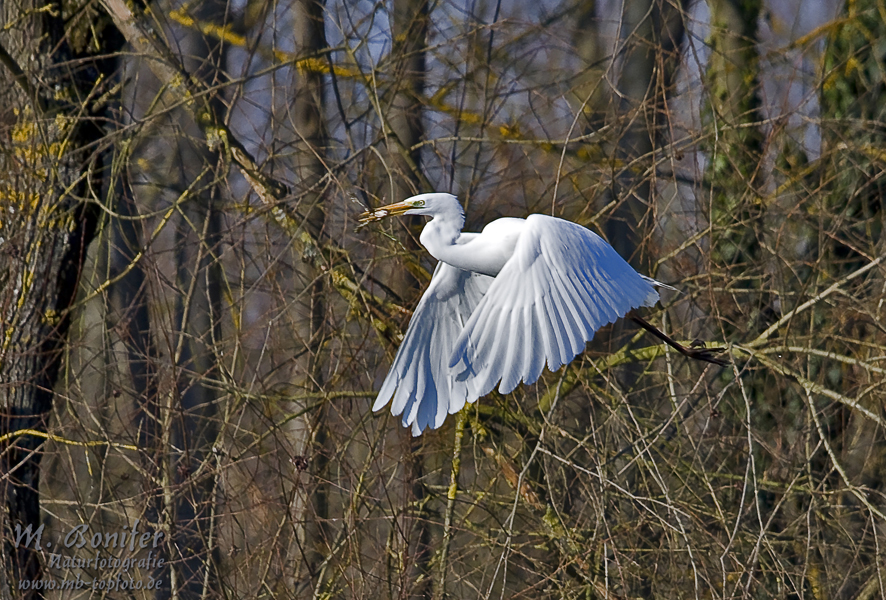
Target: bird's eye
(418,203)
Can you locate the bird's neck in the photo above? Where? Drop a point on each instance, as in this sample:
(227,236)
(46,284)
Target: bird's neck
(442,232)
(444,240)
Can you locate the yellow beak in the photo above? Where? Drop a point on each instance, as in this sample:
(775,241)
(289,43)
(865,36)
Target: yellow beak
(391,210)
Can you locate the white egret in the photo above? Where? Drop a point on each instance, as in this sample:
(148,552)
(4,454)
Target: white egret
(501,304)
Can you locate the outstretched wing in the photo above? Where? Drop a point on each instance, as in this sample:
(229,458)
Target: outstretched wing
(420,381)
(561,285)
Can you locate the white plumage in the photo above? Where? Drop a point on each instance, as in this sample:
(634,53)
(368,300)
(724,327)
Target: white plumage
(501,305)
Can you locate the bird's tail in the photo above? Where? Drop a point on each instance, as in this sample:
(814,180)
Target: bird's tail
(657,283)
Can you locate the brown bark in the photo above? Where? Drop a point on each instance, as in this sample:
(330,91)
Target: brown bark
(46,227)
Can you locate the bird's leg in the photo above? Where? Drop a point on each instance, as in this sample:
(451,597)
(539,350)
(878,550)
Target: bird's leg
(696,353)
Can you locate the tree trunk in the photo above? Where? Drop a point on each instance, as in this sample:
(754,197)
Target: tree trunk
(46,226)
(309,435)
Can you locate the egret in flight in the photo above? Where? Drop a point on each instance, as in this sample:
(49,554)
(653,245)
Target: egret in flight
(501,304)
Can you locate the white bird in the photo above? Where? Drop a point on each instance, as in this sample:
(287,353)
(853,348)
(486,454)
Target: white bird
(501,304)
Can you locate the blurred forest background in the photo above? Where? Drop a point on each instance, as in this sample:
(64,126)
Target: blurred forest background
(193,331)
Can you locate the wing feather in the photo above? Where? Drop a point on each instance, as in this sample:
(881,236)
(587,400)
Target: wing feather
(512,369)
(561,285)
(535,360)
(558,335)
(566,311)
(550,345)
(517,361)
(498,347)
(596,307)
(582,303)
(428,394)
(404,395)
(419,385)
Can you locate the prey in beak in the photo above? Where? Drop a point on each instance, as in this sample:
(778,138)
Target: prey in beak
(391,210)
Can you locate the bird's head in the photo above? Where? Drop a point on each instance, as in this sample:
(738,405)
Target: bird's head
(424,204)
